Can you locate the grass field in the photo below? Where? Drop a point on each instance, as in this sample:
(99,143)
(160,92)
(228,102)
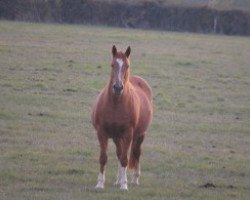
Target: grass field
(198,146)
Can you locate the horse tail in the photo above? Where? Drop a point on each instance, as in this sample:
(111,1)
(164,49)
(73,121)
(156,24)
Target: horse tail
(135,151)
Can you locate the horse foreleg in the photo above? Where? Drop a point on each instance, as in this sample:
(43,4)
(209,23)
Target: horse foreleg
(118,177)
(102,160)
(126,142)
(118,153)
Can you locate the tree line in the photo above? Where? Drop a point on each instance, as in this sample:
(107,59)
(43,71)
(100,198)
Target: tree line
(146,15)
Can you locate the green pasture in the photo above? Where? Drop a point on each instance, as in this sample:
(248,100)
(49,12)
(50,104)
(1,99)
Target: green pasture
(198,146)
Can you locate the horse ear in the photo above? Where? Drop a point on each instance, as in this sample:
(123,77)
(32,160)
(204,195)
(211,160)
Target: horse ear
(127,53)
(114,50)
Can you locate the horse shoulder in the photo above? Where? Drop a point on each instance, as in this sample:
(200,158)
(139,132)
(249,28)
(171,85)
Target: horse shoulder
(97,107)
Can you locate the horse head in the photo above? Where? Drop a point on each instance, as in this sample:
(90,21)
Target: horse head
(120,70)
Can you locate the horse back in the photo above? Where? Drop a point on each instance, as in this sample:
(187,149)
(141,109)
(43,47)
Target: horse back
(144,92)
(140,83)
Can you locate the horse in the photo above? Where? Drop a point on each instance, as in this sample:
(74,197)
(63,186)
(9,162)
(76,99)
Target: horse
(122,112)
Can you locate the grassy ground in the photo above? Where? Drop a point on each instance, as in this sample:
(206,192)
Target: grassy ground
(197,146)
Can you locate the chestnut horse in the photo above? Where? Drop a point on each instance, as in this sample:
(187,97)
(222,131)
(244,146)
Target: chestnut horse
(122,112)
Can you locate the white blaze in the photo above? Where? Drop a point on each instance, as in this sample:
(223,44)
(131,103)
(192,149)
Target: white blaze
(120,64)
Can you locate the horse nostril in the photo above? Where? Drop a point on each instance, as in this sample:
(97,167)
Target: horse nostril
(118,88)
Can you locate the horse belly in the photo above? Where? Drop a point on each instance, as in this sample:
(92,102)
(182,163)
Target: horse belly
(145,116)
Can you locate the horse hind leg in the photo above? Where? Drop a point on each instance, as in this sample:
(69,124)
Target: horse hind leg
(134,162)
(136,175)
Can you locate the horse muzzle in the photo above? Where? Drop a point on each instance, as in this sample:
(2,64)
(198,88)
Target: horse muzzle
(117,89)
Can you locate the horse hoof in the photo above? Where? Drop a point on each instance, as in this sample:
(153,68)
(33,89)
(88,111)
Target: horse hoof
(135,180)
(135,183)
(116,183)
(99,186)
(124,187)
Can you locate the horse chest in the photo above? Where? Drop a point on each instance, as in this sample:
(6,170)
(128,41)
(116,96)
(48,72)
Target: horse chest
(117,113)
